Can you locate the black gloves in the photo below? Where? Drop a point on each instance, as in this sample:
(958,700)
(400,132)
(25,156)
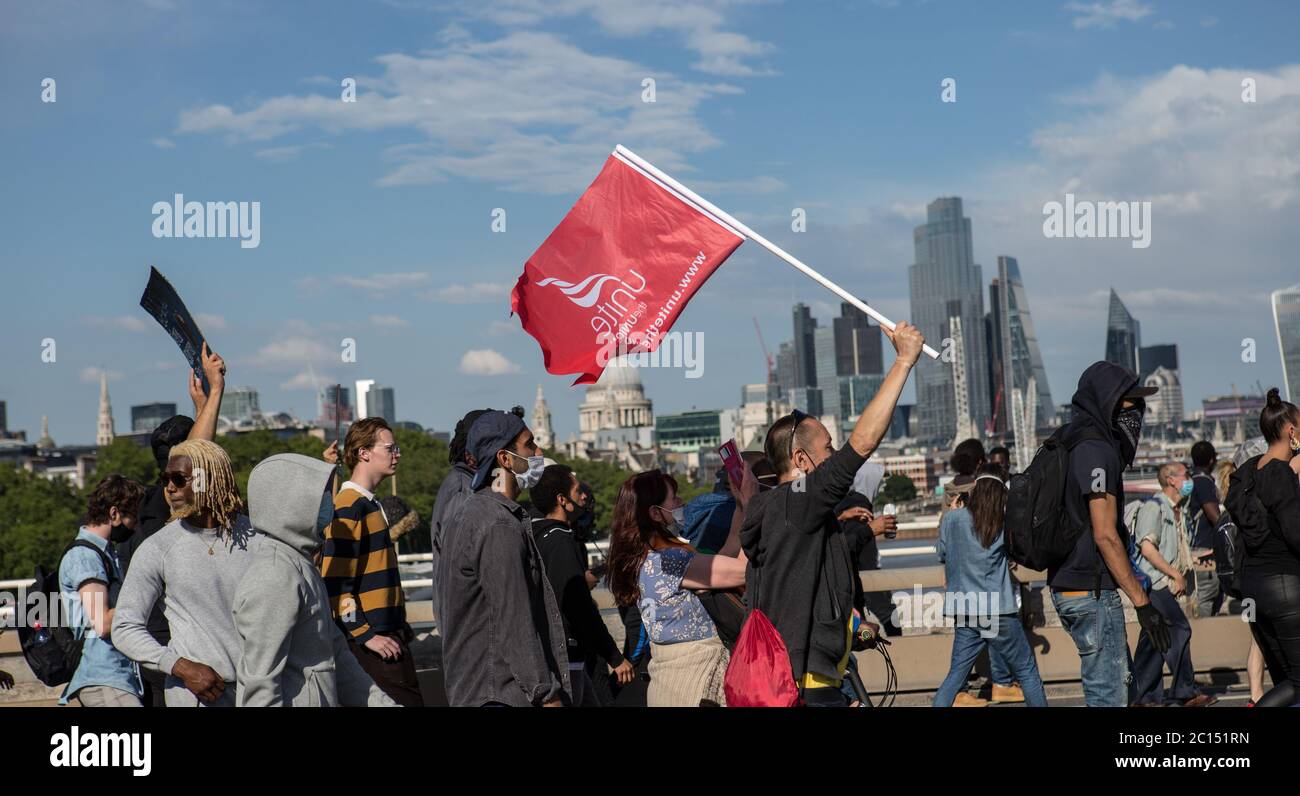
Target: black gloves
(1155,625)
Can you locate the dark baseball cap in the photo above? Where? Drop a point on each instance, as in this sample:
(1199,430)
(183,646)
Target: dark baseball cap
(491,432)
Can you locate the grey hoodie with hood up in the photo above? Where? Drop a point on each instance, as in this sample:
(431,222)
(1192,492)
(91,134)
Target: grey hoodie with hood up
(293,652)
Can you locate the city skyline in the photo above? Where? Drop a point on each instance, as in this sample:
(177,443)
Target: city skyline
(377,218)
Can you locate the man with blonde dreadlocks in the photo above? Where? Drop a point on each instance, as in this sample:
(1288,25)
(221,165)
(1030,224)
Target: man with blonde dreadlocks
(195,564)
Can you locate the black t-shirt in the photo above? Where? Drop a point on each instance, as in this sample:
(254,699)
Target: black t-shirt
(1094,468)
(1203,492)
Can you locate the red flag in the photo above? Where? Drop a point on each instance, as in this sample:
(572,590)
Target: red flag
(617,271)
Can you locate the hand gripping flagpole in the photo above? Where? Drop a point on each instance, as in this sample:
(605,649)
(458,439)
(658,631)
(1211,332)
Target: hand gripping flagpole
(635,160)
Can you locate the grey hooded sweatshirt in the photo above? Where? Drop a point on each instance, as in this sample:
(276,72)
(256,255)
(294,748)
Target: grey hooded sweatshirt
(294,654)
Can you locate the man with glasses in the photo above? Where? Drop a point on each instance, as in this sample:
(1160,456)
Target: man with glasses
(359,565)
(800,566)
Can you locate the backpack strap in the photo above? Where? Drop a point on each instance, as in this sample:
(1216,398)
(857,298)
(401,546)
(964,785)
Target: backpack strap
(103,557)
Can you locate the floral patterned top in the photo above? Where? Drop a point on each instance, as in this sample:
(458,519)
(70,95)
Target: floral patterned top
(670,613)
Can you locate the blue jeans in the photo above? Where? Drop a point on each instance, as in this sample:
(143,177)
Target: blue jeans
(1097,626)
(1148,665)
(1009,642)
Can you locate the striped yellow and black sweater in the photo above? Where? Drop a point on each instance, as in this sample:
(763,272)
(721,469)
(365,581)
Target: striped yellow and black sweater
(359,565)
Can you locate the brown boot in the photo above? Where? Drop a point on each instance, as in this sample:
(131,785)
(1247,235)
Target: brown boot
(1007,693)
(965,700)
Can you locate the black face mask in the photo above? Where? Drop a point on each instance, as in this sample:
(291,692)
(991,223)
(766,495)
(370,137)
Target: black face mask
(1129,425)
(119,533)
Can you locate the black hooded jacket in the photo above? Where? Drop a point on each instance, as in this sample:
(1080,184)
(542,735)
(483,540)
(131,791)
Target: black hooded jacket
(1265,504)
(1095,461)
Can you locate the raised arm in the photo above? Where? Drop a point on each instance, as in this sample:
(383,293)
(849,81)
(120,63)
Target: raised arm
(715,572)
(874,420)
(207,408)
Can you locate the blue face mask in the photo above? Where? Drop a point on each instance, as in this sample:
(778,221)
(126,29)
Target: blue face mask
(1186,489)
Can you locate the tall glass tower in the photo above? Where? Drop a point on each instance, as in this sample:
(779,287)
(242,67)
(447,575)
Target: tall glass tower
(945,282)
(1021,357)
(1286,317)
(1123,335)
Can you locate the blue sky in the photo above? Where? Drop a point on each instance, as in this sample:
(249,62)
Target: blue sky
(375,216)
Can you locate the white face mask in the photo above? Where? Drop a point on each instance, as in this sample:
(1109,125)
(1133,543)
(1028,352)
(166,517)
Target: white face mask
(536,464)
(678,523)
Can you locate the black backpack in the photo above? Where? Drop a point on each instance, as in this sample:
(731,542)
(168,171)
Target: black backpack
(1038,529)
(54,653)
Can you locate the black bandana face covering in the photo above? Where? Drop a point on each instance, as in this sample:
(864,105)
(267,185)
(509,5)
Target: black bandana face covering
(1129,424)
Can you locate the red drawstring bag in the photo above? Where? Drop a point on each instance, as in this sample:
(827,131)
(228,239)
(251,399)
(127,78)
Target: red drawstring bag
(759,675)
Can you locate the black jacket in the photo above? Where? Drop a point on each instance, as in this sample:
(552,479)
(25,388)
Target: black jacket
(565,561)
(1266,507)
(1094,445)
(801,571)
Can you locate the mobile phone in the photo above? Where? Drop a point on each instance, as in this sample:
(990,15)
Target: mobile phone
(731,460)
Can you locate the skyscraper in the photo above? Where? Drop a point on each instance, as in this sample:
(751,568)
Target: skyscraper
(1021,356)
(857,343)
(998,396)
(335,405)
(1151,357)
(945,282)
(382,402)
(787,373)
(825,372)
(1123,335)
(805,348)
(363,388)
(1286,317)
(147,417)
(105,433)
(4,420)
(240,404)
(1166,406)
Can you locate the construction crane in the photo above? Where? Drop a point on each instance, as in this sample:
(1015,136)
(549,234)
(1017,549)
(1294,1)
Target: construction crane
(767,357)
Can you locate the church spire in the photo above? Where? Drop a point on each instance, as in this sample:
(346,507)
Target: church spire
(104,435)
(542,432)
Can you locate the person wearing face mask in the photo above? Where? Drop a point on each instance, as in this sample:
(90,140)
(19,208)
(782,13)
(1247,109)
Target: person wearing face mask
(1264,500)
(90,578)
(559,497)
(801,569)
(359,565)
(292,652)
(654,570)
(1166,559)
(503,640)
(1102,441)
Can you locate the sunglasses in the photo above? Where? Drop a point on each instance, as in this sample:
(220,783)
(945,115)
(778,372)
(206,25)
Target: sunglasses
(178,480)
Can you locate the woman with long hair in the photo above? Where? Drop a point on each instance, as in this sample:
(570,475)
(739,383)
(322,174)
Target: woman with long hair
(979,595)
(652,568)
(1264,499)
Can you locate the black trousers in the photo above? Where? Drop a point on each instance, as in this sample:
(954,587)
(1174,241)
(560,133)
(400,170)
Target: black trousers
(395,678)
(1277,632)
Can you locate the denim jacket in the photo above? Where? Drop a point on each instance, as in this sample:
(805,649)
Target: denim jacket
(1156,521)
(978,581)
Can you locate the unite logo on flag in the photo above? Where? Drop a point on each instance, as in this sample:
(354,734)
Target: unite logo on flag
(580,297)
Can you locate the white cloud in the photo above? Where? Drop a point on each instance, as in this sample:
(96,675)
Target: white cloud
(749,187)
(476,293)
(126,323)
(91,375)
(388,321)
(293,353)
(163,143)
(285,153)
(529,111)
(486,362)
(1105,14)
(698,25)
(377,284)
(501,328)
(210,322)
(301,381)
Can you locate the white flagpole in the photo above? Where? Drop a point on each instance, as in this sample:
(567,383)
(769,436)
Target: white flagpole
(623,153)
